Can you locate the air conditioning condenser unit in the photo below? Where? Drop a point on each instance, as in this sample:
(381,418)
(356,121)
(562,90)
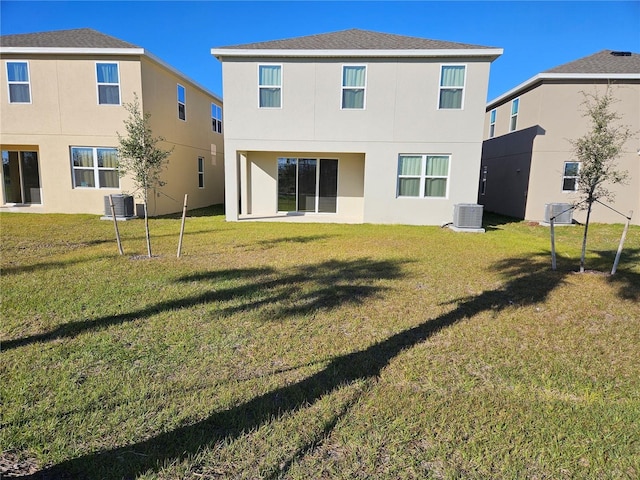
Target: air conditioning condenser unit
(467,215)
(563,213)
(122,204)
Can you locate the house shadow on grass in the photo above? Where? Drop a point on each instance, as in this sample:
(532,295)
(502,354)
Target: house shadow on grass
(527,281)
(493,221)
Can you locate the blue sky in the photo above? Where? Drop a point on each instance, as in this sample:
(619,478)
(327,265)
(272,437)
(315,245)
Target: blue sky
(535,35)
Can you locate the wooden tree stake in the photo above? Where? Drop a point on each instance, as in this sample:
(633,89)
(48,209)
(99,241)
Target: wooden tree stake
(184,214)
(115,224)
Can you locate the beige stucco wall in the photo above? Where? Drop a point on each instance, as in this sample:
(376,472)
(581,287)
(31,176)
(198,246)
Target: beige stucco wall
(556,107)
(401,115)
(64,112)
(189,139)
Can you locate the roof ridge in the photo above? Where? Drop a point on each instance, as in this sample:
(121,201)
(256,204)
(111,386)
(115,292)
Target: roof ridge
(84,37)
(353,39)
(602,61)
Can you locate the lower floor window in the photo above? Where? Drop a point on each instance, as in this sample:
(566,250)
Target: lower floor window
(21,177)
(423,175)
(570,176)
(200,172)
(95,167)
(307,185)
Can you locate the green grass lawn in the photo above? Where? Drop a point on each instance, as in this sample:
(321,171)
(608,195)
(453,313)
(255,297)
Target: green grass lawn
(308,351)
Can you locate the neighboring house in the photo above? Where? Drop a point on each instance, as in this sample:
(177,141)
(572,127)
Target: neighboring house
(61,108)
(353,126)
(527,159)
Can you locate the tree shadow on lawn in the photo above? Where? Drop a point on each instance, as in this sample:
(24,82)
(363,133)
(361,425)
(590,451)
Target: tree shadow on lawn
(528,281)
(300,290)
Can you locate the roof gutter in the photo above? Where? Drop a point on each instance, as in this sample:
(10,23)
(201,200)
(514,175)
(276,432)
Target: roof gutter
(73,50)
(559,76)
(491,53)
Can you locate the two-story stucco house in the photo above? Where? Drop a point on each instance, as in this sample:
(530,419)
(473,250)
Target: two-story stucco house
(527,160)
(353,126)
(61,105)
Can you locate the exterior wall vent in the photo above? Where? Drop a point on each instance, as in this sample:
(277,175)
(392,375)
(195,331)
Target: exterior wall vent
(467,215)
(123,205)
(562,211)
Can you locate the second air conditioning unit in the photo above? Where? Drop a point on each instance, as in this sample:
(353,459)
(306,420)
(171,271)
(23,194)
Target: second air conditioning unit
(123,205)
(467,215)
(563,213)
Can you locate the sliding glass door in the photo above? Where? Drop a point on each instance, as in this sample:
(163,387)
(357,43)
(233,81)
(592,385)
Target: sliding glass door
(21,177)
(307,185)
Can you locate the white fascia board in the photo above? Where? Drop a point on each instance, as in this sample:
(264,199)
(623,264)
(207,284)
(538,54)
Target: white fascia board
(220,53)
(559,76)
(105,51)
(73,51)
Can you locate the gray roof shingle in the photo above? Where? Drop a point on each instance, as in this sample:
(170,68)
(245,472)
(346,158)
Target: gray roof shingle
(354,39)
(605,61)
(76,38)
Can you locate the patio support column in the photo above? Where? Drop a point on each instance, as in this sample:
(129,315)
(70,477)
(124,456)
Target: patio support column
(244,185)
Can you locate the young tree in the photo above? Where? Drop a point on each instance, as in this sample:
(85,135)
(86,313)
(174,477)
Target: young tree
(139,156)
(597,152)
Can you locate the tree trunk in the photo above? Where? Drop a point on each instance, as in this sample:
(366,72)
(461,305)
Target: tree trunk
(146,224)
(584,239)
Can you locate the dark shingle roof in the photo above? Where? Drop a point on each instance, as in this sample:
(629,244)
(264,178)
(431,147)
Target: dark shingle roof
(77,38)
(606,61)
(354,39)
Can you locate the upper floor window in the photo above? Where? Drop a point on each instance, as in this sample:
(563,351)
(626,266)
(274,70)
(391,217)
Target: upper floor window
(108,83)
(182,103)
(18,80)
(570,176)
(216,118)
(452,79)
(423,175)
(270,86)
(492,123)
(354,79)
(515,106)
(95,167)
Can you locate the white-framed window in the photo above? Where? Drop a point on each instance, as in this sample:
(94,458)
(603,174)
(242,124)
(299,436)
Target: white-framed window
(200,172)
(270,86)
(423,176)
(18,82)
(182,103)
(216,118)
(452,82)
(492,123)
(95,167)
(108,80)
(570,176)
(515,107)
(354,85)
